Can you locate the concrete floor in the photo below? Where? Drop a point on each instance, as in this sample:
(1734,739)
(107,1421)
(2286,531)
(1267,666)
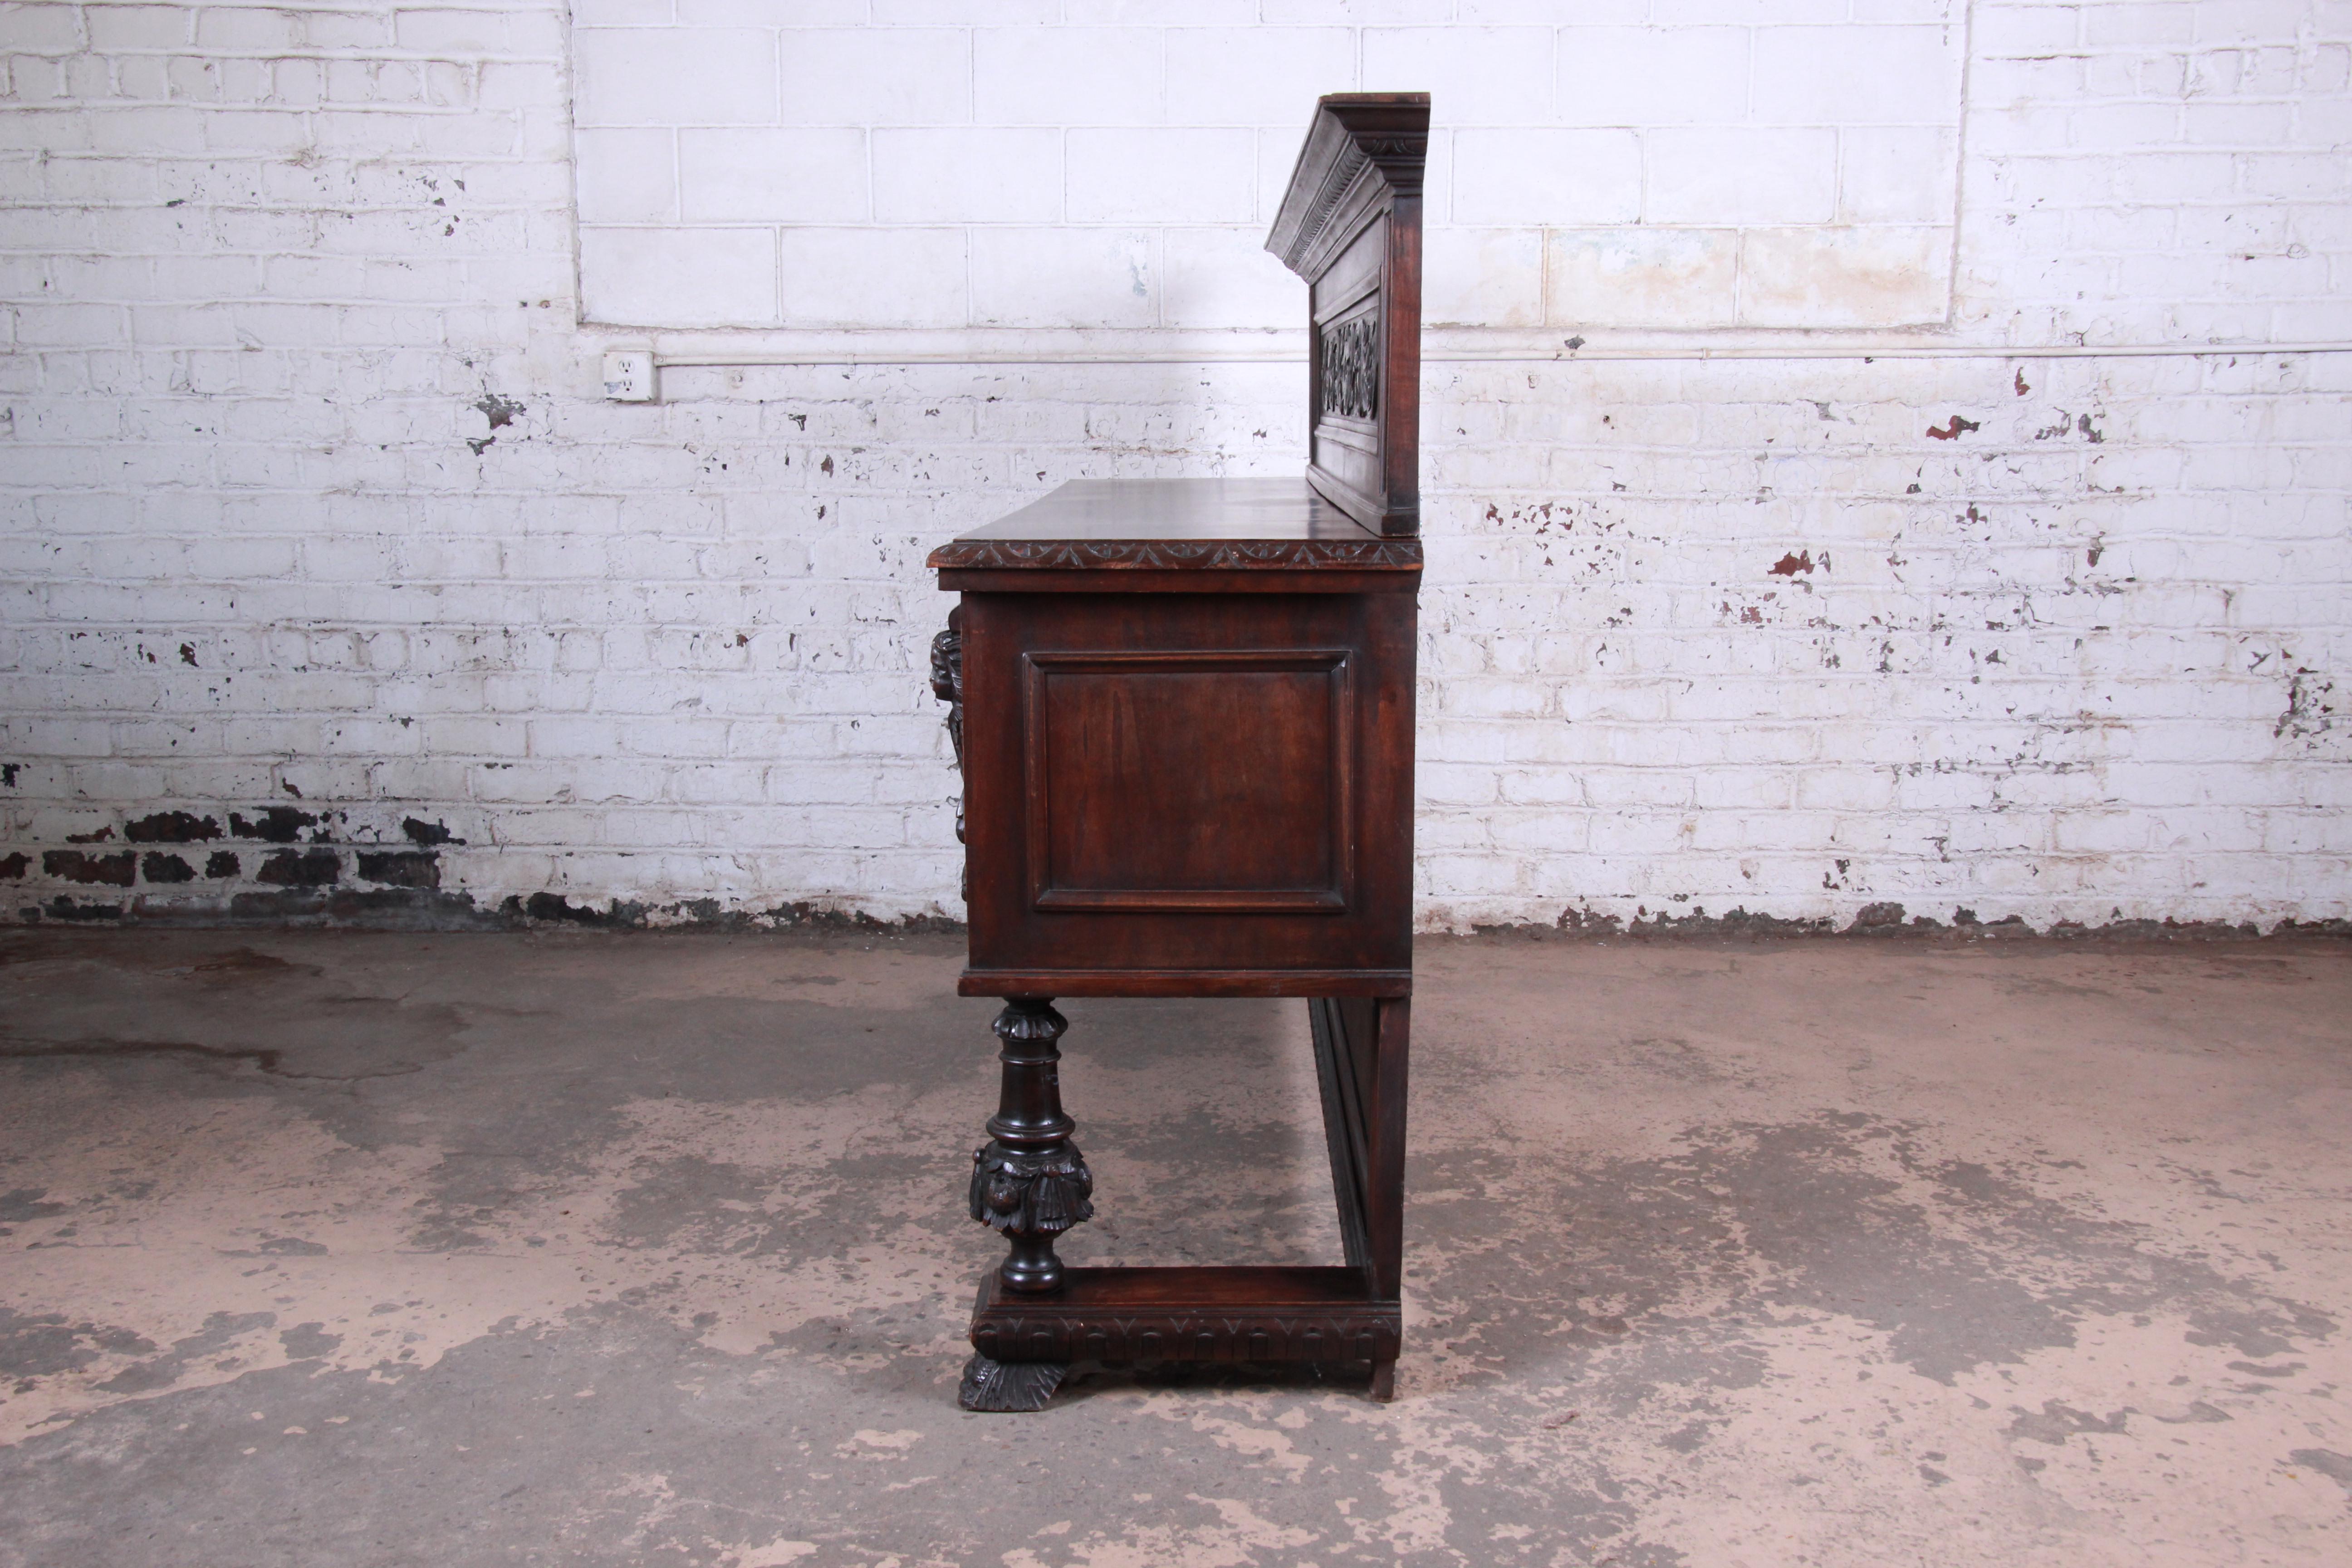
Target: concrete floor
(373,1249)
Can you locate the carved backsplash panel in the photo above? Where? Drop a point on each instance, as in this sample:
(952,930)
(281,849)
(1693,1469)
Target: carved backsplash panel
(1351,357)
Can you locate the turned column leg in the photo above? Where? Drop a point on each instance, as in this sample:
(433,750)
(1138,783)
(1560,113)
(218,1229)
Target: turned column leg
(1029,1182)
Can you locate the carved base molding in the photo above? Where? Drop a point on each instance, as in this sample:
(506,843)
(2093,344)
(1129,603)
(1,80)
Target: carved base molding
(1190,1315)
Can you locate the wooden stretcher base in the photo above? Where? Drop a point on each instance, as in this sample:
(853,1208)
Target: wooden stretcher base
(1340,1315)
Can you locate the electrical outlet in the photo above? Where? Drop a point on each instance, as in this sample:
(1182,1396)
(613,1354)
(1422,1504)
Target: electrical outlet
(629,375)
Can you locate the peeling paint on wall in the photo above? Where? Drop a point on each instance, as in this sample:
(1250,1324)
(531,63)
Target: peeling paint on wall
(663,662)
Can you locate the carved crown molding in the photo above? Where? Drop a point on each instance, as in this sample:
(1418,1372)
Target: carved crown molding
(1355,136)
(1177,555)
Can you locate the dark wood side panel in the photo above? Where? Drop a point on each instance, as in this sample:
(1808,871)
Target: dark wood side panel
(1197,779)
(1218,790)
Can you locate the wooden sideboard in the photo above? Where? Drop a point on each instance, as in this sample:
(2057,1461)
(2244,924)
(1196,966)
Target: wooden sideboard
(1184,713)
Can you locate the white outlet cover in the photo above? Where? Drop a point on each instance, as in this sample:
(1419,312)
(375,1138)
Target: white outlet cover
(629,375)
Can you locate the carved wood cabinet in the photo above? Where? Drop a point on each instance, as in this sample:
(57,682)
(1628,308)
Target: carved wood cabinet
(1184,713)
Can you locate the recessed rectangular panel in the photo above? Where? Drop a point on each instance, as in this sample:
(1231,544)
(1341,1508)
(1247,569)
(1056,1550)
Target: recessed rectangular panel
(1206,781)
(1347,362)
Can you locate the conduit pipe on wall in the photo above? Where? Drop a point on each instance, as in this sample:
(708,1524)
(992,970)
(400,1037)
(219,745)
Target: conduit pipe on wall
(1584,352)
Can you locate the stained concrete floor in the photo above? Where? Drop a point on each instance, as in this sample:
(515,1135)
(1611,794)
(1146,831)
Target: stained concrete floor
(371,1250)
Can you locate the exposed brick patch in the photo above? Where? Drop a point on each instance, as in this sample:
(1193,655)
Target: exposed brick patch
(300,868)
(400,868)
(170,828)
(117,870)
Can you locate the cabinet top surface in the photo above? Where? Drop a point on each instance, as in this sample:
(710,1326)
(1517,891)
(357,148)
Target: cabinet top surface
(1178,523)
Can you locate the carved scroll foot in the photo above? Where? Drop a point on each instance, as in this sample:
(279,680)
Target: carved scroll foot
(1009,1386)
(1029,1181)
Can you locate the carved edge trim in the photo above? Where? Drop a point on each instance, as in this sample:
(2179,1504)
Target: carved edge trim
(1201,555)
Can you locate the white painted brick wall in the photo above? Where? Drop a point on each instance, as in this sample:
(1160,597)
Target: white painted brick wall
(311,503)
(1841,126)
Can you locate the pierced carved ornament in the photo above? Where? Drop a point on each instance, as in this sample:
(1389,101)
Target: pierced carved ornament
(1352,359)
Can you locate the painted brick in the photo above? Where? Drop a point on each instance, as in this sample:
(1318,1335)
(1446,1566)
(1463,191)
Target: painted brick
(1653,76)
(1481,75)
(1554,176)
(946,176)
(1761,176)
(845,276)
(1642,277)
(1879,74)
(681,276)
(856,75)
(639,75)
(667,651)
(803,178)
(1066,76)
(1805,278)
(1253,76)
(1052,277)
(1223,278)
(1171,176)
